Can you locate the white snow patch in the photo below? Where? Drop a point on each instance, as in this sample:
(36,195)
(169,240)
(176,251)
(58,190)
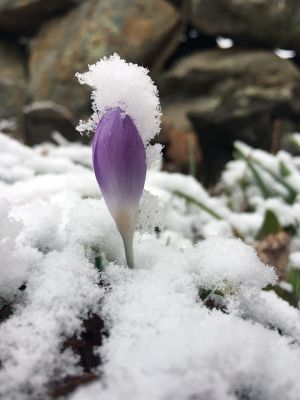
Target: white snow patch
(164,344)
(16,259)
(117,83)
(60,292)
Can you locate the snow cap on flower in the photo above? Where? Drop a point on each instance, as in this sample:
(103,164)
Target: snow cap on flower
(118,84)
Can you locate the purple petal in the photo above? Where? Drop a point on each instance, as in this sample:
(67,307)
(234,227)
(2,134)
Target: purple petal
(119,163)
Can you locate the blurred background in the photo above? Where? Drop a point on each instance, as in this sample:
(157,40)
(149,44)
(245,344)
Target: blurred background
(225,69)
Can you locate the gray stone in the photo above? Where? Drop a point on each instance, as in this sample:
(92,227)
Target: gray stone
(12,86)
(26,16)
(43,119)
(230,95)
(142,32)
(266,22)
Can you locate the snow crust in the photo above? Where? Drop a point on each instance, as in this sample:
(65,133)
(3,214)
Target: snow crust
(229,263)
(164,341)
(60,292)
(165,344)
(16,259)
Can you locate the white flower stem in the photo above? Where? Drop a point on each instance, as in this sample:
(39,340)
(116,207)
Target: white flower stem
(126,227)
(128,246)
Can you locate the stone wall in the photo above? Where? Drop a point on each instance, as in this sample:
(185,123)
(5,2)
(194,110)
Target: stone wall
(209,93)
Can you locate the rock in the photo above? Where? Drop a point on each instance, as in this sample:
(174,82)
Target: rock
(182,153)
(181,147)
(142,32)
(12,86)
(270,23)
(26,16)
(43,119)
(230,95)
(274,250)
(12,79)
(181,4)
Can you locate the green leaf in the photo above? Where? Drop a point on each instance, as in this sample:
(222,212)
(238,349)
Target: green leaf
(98,263)
(266,193)
(283,169)
(205,293)
(280,178)
(294,279)
(199,204)
(292,194)
(269,226)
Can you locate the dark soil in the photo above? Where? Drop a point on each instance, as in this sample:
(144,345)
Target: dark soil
(93,334)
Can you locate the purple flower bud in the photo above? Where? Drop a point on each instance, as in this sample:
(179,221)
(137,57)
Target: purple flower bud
(119,160)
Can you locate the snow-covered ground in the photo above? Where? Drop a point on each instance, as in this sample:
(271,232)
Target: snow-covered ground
(191,321)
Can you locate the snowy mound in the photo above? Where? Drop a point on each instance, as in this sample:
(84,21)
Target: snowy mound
(191,321)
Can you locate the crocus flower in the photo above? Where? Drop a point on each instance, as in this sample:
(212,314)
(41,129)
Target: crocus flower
(119,161)
(127,100)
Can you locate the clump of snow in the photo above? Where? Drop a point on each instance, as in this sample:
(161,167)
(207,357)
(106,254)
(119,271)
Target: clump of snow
(18,162)
(94,228)
(226,359)
(230,262)
(117,83)
(59,293)
(165,344)
(16,259)
(288,287)
(150,216)
(271,311)
(295,259)
(217,228)
(154,156)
